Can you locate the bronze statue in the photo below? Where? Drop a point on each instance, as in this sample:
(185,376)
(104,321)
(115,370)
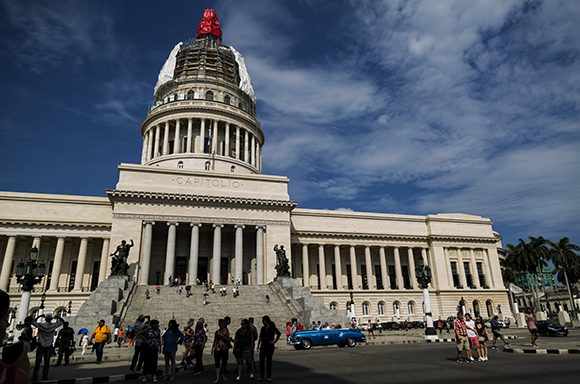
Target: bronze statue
(282,267)
(119,265)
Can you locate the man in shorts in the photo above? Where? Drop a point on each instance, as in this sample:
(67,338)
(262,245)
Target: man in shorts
(461,338)
(496,331)
(472,335)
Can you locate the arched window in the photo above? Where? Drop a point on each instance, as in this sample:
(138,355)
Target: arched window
(381,308)
(227,99)
(333,306)
(242,105)
(476,311)
(411,307)
(397,309)
(207,165)
(34,312)
(209,95)
(61,311)
(489,307)
(365,308)
(191,95)
(180,164)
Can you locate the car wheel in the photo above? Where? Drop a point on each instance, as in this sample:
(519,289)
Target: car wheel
(341,345)
(298,347)
(350,342)
(306,344)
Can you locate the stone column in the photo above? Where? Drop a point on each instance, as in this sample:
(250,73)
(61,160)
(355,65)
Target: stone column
(384,273)
(157,141)
(24,306)
(424,256)
(193,254)
(398,269)
(150,145)
(144,149)
(166,138)
(305,266)
(227,141)
(202,136)
(58,254)
(214,139)
(239,251)
(170,252)
(260,254)
(82,259)
(146,259)
(217,253)
(176,138)
(461,271)
(7,263)
(258,159)
(253,150)
(353,268)
(322,266)
(189,148)
(104,260)
(412,276)
(449,269)
(246,144)
(474,274)
(238,149)
(36,243)
(369,268)
(486,264)
(338,267)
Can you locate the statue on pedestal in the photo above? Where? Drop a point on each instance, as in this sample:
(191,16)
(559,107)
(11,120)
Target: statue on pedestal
(282,267)
(119,265)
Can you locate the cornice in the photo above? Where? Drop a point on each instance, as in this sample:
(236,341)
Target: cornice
(181,198)
(53,224)
(199,220)
(53,198)
(320,235)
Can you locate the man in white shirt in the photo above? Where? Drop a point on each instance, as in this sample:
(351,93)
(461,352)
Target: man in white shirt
(472,335)
(45,343)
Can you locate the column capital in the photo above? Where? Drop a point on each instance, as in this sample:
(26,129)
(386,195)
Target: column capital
(169,223)
(217,225)
(195,224)
(261,226)
(145,222)
(242,226)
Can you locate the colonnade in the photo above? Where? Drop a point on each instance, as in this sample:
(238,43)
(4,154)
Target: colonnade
(9,261)
(468,270)
(226,140)
(194,252)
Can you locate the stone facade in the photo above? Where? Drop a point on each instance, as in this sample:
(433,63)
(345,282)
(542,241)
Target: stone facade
(199,208)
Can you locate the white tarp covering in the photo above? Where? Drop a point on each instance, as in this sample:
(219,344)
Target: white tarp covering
(166,73)
(245,80)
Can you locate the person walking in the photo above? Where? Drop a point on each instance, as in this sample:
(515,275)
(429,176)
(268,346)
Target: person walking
(65,341)
(199,340)
(371,330)
(140,329)
(531,323)
(45,349)
(269,336)
(151,349)
(243,342)
(255,337)
(101,336)
(220,348)
(171,338)
(461,338)
(120,337)
(84,343)
(188,332)
(496,332)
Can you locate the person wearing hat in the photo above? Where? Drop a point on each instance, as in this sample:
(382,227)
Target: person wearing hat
(101,336)
(45,340)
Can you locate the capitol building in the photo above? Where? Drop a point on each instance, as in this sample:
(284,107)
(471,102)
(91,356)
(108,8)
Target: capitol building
(198,207)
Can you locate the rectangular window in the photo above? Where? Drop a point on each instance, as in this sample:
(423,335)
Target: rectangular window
(481,275)
(334,276)
(468,277)
(48,275)
(72,275)
(379,277)
(184,144)
(363,274)
(406,280)
(392,276)
(349,276)
(319,278)
(455,275)
(95,275)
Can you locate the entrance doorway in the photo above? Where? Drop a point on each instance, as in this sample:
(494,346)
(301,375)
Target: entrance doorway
(202,269)
(180,267)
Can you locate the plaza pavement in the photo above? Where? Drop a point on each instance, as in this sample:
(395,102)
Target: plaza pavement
(115,366)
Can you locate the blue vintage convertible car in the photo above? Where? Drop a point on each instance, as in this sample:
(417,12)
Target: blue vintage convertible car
(343,337)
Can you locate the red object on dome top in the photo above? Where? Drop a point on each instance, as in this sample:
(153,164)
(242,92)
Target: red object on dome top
(209,24)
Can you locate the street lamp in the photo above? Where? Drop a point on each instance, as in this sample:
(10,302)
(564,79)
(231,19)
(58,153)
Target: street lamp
(69,307)
(42,300)
(423,273)
(28,274)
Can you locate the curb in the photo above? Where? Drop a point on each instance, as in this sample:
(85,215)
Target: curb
(452,340)
(92,380)
(530,351)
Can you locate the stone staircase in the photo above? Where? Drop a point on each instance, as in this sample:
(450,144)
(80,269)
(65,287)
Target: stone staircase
(250,303)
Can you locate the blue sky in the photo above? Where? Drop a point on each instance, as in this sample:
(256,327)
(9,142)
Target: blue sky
(386,106)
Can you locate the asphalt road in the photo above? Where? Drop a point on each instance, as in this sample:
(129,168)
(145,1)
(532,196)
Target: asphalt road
(417,363)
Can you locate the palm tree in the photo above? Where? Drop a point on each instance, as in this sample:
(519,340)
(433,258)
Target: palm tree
(567,262)
(542,254)
(527,260)
(509,272)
